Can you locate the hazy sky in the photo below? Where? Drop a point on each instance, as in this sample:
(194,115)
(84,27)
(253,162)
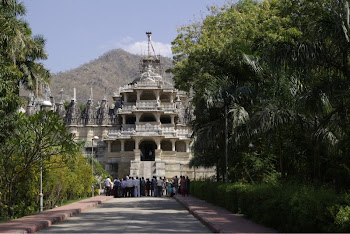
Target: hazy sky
(77,31)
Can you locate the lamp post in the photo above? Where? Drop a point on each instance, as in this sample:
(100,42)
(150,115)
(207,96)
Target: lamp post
(226,144)
(221,104)
(43,106)
(92,164)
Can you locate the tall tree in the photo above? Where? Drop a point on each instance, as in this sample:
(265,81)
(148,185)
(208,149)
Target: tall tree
(292,58)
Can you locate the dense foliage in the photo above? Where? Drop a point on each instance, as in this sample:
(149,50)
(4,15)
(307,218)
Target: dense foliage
(28,143)
(287,208)
(281,68)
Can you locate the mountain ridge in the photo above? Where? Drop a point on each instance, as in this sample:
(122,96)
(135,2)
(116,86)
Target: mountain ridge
(104,74)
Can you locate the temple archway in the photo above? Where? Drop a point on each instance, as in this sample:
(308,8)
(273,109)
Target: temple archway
(147,117)
(132,97)
(147,150)
(130,119)
(147,95)
(165,119)
(164,97)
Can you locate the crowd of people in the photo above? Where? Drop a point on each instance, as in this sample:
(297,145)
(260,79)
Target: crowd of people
(156,186)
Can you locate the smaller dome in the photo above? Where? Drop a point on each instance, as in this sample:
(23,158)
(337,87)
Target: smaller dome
(46,103)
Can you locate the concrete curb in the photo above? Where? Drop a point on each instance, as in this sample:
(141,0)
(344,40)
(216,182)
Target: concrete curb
(218,219)
(34,223)
(203,220)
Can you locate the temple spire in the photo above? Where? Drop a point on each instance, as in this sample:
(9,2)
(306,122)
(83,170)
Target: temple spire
(61,92)
(91,94)
(74,95)
(150,45)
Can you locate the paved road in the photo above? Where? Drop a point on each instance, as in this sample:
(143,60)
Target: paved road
(145,214)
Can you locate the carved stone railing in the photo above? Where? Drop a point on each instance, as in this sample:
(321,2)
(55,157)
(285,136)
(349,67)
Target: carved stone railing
(148,127)
(128,86)
(152,104)
(128,106)
(183,132)
(147,83)
(128,127)
(90,121)
(167,106)
(168,130)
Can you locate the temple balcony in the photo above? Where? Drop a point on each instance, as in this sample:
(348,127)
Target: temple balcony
(183,133)
(148,127)
(167,106)
(147,104)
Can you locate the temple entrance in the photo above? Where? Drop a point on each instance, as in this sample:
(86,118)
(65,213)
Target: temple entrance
(147,149)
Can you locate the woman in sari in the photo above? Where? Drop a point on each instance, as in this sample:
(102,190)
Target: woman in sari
(183,185)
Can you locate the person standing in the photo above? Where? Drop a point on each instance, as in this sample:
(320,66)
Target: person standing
(159,187)
(169,189)
(136,183)
(108,186)
(117,188)
(143,186)
(154,185)
(148,187)
(129,185)
(183,185)
(123,187)
(176,184)
(188,186)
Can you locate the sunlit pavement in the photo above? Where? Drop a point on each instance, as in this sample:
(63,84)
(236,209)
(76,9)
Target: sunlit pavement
(145,214)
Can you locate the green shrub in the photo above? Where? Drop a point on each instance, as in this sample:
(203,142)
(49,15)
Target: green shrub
(287,208)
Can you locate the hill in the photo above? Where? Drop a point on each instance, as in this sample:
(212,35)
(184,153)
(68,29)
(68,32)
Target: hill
(110,71)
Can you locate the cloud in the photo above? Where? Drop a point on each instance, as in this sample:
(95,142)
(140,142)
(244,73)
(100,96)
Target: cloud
(141,47)
(138,47)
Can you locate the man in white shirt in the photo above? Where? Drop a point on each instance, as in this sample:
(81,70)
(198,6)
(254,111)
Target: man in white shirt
(160,186)
(137,187)
(108,186)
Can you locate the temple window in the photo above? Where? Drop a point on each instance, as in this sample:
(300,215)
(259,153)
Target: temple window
(130,119)
(180,146)
(116,146)
(129,145)
(166,145)
(165,119)
(132,97)
(148,95)
(164,97)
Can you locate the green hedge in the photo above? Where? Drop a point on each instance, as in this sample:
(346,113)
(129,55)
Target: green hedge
(286,208)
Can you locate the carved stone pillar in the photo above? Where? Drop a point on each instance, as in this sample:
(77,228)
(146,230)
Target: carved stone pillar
(171,98)
(173,145)
(137,142)
(125,97)
(187,146)
(138,94)
(172,119)
(108,146)
(158,143)
(157,117)
(157,93)
(124,119)
(122,143)
(138,116)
